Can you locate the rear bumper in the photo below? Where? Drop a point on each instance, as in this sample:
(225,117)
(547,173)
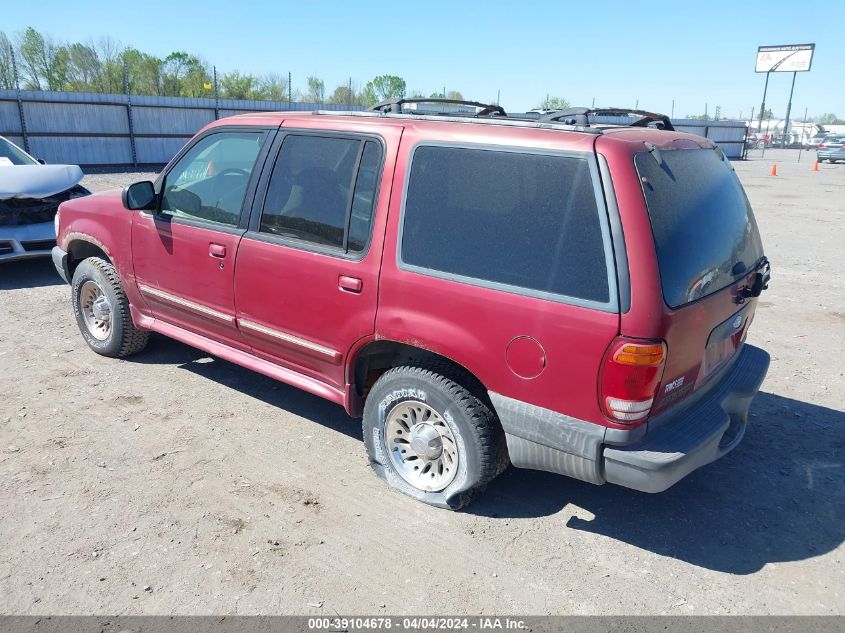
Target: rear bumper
(26,240)
(649,460)
(678,445)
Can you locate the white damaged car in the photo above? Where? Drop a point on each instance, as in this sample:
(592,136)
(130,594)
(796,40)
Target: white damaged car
(30,195)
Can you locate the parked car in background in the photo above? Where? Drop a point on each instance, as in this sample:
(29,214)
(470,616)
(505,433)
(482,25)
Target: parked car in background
(830,149)
(30,195)
(757,140)
(482,289)
(814,142)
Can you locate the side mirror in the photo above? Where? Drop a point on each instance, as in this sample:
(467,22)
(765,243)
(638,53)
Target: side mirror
(139,196)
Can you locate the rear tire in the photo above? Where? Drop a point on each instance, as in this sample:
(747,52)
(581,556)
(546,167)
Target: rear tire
(431,438)
(102,310)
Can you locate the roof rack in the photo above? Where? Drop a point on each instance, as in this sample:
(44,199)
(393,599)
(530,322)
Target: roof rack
(581,117)
(394,106)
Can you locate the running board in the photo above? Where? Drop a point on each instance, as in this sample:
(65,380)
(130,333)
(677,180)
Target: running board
(238,357)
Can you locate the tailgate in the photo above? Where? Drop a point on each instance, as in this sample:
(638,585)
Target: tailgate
(710,259)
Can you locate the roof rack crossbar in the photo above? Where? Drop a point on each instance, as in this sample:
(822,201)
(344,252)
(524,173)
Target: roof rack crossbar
(581,116)
(395,105)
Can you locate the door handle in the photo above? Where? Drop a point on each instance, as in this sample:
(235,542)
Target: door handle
(217,250)
(350,284)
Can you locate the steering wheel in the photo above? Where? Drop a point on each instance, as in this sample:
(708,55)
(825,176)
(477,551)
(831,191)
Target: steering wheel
(233,170)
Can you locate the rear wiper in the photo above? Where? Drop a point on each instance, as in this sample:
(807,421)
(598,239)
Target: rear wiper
(652,149)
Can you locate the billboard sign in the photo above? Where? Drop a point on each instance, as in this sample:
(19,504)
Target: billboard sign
(784,59)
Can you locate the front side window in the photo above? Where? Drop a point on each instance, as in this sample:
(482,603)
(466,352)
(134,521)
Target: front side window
(524,221)
(209,182)
(322,191)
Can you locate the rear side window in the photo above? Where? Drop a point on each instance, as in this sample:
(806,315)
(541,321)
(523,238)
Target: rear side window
(702,223)
(518,220)
(322,191)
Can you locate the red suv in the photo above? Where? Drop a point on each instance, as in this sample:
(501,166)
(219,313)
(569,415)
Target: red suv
(556,293)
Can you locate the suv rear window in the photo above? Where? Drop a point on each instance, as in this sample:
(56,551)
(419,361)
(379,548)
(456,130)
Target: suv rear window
(509,219)
(701,220)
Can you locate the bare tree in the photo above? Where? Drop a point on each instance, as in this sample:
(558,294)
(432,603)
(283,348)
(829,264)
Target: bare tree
(110,77)
(273,87)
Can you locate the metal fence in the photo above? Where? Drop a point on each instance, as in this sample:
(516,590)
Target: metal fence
(114,130)
(118,130)
(728,134)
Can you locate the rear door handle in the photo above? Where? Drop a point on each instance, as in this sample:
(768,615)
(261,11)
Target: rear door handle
(217,250)
(350,284)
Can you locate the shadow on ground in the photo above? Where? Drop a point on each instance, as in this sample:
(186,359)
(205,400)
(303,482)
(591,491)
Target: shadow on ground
(778,497)
(165,351)
(28,273)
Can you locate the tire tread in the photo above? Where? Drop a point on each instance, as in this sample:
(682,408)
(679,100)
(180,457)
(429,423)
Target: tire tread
(134,339)
(485,424)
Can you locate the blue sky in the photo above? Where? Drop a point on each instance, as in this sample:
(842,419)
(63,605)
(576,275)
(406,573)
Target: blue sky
(618,53)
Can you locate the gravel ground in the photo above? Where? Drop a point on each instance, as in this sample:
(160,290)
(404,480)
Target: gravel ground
(174,483)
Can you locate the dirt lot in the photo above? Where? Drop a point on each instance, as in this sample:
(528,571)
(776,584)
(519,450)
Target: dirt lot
(176,483)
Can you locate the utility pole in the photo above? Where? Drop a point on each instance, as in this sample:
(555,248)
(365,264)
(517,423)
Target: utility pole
(788,109)
(763,105)
(216,95)
(21,114)
(803,132)
(129,113)
(290,89)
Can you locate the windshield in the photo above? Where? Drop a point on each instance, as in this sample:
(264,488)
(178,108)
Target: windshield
(11,154)
(702,223)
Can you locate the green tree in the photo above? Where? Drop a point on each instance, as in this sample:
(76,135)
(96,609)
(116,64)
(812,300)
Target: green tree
(82,67)
(347,94)
(7,74)
(384,87)
(316,90)
(553,103)
(184,75)
(145,72)
(44,62)
(829,118)
(234,85)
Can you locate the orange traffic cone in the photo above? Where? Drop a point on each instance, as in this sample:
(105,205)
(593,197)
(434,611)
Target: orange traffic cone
(774,170)
(816,166)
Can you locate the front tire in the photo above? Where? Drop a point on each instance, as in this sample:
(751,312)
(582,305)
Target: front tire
(431,438)
(102,310)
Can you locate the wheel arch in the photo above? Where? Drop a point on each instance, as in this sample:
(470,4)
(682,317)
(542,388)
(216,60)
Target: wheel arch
(80,247)
(371,360)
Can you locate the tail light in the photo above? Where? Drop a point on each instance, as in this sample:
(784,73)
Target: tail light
(630,374)
(822,145)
